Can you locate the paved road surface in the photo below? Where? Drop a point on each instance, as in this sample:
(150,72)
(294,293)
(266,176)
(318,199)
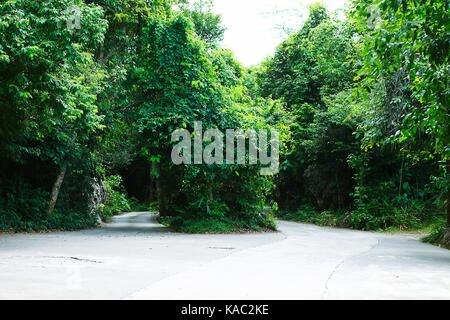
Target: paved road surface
(135,258)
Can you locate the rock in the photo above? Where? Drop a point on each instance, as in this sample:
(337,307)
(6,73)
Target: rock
(445,240)
(96,197)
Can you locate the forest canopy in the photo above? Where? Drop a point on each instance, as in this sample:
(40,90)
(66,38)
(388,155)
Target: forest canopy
(361,105)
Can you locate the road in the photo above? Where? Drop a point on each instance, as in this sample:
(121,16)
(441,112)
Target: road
(135,258)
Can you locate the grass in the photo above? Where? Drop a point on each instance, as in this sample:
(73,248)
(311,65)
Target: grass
(439,235)
(308,214)
(425,229)
(59,221)
(216,225)
(347,219)
(435,228)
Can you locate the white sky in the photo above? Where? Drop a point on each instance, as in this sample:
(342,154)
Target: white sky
(253,30)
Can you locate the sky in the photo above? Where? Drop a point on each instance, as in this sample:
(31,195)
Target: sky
(255,27)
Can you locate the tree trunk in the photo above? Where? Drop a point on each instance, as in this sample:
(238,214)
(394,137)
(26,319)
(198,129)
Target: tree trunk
(55,190)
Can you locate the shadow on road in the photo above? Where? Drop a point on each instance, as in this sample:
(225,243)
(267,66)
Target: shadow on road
(135,222)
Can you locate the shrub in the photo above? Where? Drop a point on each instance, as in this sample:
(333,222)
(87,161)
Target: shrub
(382,207)
(116,199)
(24,210)
(309,214)
(440,235)
(223,225)
(378,212)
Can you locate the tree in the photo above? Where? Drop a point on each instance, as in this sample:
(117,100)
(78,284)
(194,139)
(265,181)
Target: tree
(207,24)
(306,72)
(50,83)
(411,38)
(118,150)
(177,78)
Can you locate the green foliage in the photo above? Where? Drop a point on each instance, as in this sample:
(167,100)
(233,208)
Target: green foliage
(22,208)
(312,74)
(376,208)
(178,78)
(439,235)
(116,199)
(403,87)
(50,82)
(378,213)
(49,113)
(217,225)
(361,106)
(312,63)
(411,37)
(188,83)
(227,69)
(207,24)
(363,135)
(309,214)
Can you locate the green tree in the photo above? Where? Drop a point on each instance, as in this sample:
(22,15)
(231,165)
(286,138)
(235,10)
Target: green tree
(410,39)
(306,72)
(207,24)
(49,83)
(178,80)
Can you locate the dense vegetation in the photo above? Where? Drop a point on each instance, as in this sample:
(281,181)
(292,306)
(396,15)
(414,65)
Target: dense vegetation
(361,105)
(369,96)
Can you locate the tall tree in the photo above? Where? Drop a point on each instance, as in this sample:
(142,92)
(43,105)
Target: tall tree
(177,78)
(308,69)
(49,82)
(208,25)
(410,38)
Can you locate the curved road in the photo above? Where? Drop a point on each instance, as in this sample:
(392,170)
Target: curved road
(136,258)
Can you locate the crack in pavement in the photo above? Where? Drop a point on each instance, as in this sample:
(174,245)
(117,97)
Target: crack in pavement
(340,264)
(72,258)
(54,257)
(300,262)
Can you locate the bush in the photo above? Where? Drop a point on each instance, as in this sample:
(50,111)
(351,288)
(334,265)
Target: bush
(67,220)
(309,214)
(25,211)
(218,225)
(116,199)
(382,207)
(375,213)
(210,194)
(23,207)
(440,235)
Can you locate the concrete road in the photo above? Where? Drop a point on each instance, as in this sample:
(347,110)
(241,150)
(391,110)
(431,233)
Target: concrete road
(136,258)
